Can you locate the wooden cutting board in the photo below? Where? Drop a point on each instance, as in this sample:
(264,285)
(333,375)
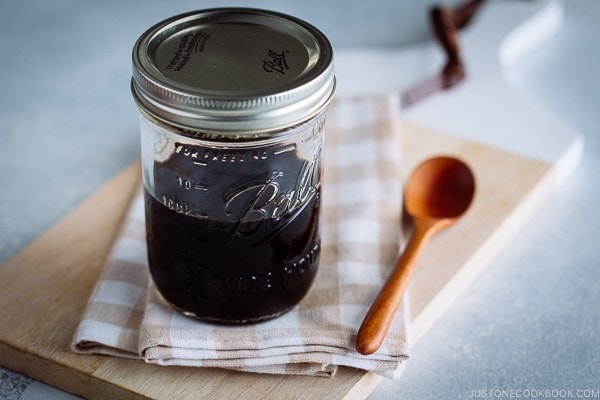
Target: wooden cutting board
(44,288)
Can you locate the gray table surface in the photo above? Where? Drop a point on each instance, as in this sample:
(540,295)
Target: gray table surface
(527,327)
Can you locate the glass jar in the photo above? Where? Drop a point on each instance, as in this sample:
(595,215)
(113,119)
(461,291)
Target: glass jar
(233,105)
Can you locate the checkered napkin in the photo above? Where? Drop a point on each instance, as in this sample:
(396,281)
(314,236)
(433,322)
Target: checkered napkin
(360,240)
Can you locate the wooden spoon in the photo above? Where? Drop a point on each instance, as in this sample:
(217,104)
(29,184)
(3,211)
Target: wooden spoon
(439,191)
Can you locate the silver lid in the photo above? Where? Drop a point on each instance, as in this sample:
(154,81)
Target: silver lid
(233,70)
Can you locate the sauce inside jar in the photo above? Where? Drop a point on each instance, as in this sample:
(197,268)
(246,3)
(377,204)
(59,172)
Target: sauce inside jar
(234,247)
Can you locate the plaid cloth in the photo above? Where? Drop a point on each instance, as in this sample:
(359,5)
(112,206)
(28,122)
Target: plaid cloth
(360,241)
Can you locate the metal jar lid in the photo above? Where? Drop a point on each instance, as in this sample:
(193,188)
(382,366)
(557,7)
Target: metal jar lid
(233,70)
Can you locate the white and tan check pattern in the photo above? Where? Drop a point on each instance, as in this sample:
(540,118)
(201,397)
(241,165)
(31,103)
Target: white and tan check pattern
(360,237)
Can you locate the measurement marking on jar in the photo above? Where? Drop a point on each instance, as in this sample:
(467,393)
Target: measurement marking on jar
(198,214)
(187,184)
(181,207)
(200,163)
(176,205)
(291,147)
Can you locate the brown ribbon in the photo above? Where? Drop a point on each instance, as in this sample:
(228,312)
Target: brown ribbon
(445,23)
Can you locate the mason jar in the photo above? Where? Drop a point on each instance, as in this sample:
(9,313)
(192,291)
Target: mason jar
(232,105)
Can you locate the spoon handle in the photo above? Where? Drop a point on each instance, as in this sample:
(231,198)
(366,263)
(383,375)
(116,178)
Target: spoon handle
(381,313)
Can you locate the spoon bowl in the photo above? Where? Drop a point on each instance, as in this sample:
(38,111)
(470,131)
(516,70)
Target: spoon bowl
(440,187)
(438,193)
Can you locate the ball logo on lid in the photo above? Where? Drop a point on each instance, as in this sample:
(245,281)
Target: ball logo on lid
(276,62)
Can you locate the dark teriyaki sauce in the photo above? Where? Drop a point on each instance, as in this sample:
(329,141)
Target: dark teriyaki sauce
(233,236)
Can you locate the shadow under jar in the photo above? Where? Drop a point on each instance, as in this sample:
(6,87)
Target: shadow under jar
(232,105)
